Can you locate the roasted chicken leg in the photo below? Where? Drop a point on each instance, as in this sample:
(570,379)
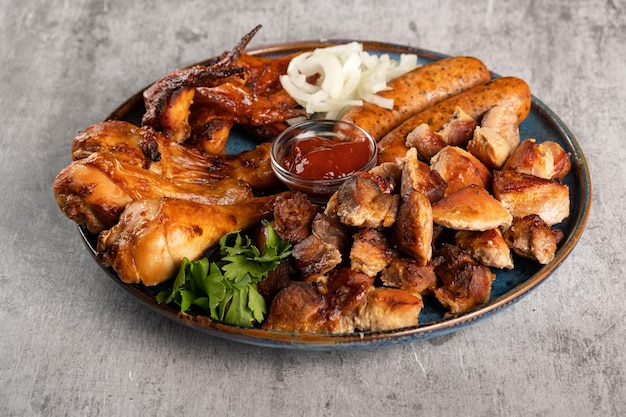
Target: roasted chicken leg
(153,236)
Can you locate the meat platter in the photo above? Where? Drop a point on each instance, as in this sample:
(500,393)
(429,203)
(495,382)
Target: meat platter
(508,287)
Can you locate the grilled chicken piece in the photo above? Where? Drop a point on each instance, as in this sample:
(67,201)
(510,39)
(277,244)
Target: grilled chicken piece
(252,167)
(463,283)
(95,190)
(545,160)
(293,216)
(365,200)
(524,194)
(168,101)
(532,238)
(412,233)
(173,161)
(314,256)
(408,274)
(417,176)
(471,208)
(488,248)
(153,236)
(389,308)
(459,169)
(370,252)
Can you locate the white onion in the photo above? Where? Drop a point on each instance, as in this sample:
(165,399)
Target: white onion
(347,76)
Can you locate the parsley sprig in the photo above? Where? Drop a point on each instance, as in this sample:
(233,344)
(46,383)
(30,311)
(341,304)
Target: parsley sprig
(227,289)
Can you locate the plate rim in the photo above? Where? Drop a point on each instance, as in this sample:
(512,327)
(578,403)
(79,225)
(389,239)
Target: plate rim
(366,340)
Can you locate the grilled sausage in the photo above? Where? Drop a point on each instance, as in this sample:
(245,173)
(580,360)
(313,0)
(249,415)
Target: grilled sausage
(417,90)
(507,91)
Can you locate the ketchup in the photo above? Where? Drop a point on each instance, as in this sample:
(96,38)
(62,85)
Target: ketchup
(323,159)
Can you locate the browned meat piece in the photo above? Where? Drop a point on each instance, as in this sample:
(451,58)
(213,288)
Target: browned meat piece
(545,160)
(489,147)
(391,170)
(333,232)
(464,284)
(470,208)
(426,142)
(459,129)
(389,308)
(293,217)
(524,194)
(460,169)
(488,248)
(275,281)
(409,275)
(297,308)
(346,295)
(504,121)
(532,238)
(412,233)
(314,256)
(417,176)
(365,200)
(370,252)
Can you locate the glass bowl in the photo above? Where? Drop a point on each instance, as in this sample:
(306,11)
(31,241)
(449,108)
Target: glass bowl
(316,156)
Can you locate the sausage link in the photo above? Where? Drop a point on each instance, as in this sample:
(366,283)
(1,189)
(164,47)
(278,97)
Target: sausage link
(417,90)
(507,91)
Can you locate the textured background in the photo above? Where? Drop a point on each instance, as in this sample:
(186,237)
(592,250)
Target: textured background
(75,344)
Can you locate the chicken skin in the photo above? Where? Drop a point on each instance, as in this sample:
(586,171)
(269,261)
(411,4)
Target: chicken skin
(153,236)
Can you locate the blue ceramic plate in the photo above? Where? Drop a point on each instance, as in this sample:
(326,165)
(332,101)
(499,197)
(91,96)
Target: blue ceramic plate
(508,287)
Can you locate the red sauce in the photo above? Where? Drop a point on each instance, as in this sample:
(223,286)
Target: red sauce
(319,158)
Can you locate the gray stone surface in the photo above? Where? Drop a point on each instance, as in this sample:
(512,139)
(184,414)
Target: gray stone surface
(73,343)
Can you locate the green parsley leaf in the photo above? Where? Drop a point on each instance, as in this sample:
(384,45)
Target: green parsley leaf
(227,289)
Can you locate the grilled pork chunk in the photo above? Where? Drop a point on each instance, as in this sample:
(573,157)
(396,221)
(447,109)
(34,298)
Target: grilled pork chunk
(464,284)
(460,169)
(389,308)
(293,216)
(545,160)
(365,200)
(417,176)
(524,194)
(408,274)
(412,233)
(314,256)
(532,238)
(470,208)
(370,252)
(455,132)
(488,248)
(504,122)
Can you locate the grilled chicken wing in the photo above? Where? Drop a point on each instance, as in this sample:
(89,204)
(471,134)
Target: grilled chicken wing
(153,236)
(168,101)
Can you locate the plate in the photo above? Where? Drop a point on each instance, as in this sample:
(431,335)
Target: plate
(508,287)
